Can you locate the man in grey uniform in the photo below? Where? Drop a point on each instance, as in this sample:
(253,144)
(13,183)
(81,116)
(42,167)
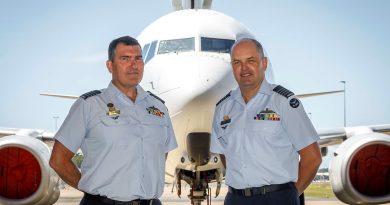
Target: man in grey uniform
(124,133)
(266,141)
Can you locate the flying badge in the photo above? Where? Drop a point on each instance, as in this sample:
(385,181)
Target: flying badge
(112,111)
(267,114)
(155,111)
(225,121)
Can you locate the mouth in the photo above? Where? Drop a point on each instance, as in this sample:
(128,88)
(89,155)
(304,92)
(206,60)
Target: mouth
(132,73)
(246,75)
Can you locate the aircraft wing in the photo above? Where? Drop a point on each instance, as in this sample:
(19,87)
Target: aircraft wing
(331,136)
(73,97)
(334,136)
(305,95)
(45,136)
(7,131)
(381,128)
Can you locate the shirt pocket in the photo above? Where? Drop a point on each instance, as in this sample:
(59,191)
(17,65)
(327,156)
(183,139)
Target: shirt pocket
(265,127)
(116,132)
(269,132)
(156,129)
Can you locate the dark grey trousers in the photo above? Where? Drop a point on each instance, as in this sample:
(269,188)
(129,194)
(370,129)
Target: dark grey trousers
(284,197)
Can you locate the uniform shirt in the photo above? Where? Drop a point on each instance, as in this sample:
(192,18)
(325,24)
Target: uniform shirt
(124,150)
(260,139)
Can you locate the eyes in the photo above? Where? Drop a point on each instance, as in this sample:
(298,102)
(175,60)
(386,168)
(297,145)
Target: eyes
(249,61)
(127,59)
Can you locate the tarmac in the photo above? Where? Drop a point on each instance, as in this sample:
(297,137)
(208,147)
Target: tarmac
(71,196)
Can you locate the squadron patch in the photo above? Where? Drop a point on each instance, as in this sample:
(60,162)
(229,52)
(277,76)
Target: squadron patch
(294,103)
(155,111)
(112,111)
(267,114)
(226,120)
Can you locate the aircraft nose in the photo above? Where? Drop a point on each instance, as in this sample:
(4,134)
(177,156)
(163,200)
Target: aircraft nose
(194,72)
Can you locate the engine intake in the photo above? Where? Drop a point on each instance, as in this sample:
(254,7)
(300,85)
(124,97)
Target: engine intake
(25,175)
(360,169)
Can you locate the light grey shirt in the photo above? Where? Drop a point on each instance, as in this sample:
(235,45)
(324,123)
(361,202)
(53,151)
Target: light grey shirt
(261,139)
(124,150)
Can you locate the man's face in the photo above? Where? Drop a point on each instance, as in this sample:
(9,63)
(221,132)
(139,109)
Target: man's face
(127,67)
(248,65)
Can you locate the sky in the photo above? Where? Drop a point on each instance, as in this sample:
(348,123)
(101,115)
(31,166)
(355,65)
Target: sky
(61,46)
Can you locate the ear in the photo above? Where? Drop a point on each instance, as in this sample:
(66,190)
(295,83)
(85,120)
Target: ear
(109,65)
(264,63)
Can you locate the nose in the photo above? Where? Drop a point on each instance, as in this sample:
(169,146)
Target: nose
(243,65)
(135,63)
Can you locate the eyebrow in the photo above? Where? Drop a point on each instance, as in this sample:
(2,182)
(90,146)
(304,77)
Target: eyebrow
(249,58)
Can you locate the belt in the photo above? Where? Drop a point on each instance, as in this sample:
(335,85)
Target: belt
(106,200)
(260,190)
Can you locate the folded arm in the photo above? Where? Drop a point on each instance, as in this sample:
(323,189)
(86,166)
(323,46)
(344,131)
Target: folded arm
(61,162)
(310,160)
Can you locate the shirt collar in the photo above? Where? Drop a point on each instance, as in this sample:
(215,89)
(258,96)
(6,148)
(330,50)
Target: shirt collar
(265,88)
(115,92)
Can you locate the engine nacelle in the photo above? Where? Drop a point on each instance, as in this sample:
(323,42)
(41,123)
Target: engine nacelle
(25,175)
(360,169)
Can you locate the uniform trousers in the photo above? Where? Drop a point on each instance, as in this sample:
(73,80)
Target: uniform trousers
(89,199)
(287,196)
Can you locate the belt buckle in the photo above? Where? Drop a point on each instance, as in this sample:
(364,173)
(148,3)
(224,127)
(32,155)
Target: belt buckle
(263,190)
(135,203)
(247,192)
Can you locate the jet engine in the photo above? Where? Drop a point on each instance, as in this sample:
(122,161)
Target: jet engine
(197,170)
(25,175)
(360,169)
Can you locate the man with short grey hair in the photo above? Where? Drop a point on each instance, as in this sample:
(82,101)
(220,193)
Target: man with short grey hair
(266,141)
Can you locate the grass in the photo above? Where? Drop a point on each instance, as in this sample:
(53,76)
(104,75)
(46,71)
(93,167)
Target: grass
(319,190)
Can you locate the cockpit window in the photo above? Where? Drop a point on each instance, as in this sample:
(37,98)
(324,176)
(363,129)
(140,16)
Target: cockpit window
(216,45)
(151,51)
(176,45)
(145,50)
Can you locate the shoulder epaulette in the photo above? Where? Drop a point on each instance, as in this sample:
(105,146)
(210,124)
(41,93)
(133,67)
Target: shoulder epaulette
(283,91)
(155,96)
(224,98)
(90,94)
